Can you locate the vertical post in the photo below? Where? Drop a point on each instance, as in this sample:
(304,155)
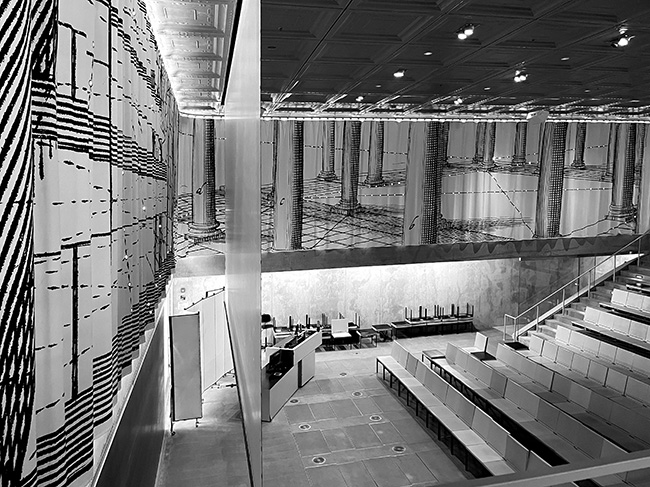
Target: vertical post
(519,156)
(622,208)
(581,135)
(563,298)
(349,203)
(551,180)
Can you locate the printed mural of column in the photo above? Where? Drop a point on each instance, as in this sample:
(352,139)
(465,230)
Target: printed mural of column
(612,147)
(376,155)
(432,182)
(204,226)
(289,187)
(479,143)
(444,147)
(643,217)
(485,143)
(519,156)
(349,203)
(490,144)
(581,136)
(551,180)
(640,150)
(621,208)
(329,152)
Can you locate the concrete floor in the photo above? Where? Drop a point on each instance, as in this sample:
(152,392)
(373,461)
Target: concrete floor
(344,428)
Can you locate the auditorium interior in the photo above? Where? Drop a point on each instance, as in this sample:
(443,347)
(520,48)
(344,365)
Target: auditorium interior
(325,243)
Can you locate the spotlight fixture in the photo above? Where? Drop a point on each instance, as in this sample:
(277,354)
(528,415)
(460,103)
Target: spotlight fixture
(359,98)
(399,73)
(465,31)
(623,39)
(520,76)
(458,101)
(428,53)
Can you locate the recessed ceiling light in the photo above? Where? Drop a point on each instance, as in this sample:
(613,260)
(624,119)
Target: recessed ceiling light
(520,76)
(465,31)
(359,98)
(428,53)
(587,91)
(377,86)
(399,73)
(458,101)
(487,88)
(635,101)
(566,58)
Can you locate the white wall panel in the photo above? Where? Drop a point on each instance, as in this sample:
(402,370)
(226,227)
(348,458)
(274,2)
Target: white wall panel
(243,262)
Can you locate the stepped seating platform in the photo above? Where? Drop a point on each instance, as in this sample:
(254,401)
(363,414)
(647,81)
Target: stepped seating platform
(617,330)
(630,304)
(483,445)
(610,366)
(543,401)
(559,396)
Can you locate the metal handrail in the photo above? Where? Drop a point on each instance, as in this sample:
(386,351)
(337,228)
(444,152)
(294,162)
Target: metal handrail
(571,283)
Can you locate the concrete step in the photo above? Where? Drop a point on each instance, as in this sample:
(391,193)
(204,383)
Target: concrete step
(602,295)
(562,318)
(578,306)
(572,312)
(613,285)
(546,330)
(551,323)
(594,303)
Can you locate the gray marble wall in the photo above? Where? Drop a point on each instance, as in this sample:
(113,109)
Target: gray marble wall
(380,294)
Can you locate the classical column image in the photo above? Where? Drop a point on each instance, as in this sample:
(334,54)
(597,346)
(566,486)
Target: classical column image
(551,180)
(349,203)
(612,148)
(484,145)
(376,155)
(479,143)
(519,156)
(432,184)
(581,136)
(329,151)
(204,226)
(621,208)
(289,201)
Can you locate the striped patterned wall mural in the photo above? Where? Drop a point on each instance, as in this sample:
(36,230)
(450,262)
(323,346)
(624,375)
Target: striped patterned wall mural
(88,142)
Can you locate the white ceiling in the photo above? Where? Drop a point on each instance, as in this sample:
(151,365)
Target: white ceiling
(194,38)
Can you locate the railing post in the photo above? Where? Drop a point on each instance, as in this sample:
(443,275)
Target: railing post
(614,270)
(563,291)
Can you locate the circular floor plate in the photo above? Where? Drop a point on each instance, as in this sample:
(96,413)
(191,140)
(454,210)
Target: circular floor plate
(375,417)
(399,449)
(305,427)
(318,460)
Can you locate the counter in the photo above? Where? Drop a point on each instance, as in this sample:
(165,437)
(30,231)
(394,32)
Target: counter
(291,364)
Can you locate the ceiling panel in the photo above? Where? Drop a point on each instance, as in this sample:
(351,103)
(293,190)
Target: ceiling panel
(194,39)
(351,48)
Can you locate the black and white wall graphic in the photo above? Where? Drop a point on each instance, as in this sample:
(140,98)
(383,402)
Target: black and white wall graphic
(346,184)
(89,141)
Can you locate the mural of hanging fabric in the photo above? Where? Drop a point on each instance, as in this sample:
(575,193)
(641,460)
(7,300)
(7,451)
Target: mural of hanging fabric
(90,130)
